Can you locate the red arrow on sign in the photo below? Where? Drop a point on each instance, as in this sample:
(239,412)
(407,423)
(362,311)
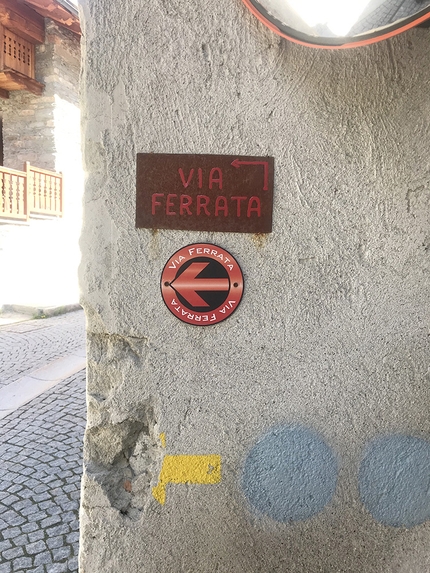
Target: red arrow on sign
(237,163)
(187,284)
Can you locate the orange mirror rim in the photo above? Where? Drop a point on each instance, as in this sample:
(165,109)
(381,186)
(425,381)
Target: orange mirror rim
(355,44)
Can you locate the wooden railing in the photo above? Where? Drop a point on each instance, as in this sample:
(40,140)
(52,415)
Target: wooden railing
(31,192)
(13,194)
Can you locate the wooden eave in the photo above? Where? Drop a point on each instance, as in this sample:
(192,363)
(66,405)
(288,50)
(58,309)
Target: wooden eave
(26,19)
(22,20)
(55,11)
(12,80)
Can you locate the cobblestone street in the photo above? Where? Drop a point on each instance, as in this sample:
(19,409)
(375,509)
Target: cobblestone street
(28,345)
(41,452)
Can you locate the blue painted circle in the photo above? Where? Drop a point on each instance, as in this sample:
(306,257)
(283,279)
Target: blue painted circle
(290,474)
(394,480)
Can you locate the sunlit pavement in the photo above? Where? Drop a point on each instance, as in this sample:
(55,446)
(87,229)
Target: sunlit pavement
(27,346)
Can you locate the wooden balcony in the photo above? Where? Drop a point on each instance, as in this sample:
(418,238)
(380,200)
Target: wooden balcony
(33,192)
(21,29)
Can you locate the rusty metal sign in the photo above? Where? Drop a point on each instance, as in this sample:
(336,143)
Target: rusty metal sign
(204,192)
(202,284)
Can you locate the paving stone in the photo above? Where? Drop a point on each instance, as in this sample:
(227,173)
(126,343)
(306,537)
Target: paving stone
(57,568)
(41,497)
(48,504)
(53,480)
(41,488)
(10,533)
(62,498)
(7,544)
(15,519)
(69,488)
(55,510)
(64,474)
(69,465)
(10,499)
(37,547)
(68,516)
(36,535)
(43,558)
(52,520)
(6,567)
(73,564)
(3,524)
(55,542)
(21,478)
(17,467)
(61,553)
(31,508)
(20,458)
(39,516)
(70,506)
(26,493)
(21,540)
(22,504)
(26,471)
(35,454)
(46,458)
(8,515)
(22,564)
(60,529)
(10,554)
(7,483)
(72,537)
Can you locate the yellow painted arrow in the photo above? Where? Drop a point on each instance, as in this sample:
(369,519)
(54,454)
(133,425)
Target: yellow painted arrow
(186,469)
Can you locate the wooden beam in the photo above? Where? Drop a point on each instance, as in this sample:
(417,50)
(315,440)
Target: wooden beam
(11,80)
(20,19)
(54,10)
(4,94)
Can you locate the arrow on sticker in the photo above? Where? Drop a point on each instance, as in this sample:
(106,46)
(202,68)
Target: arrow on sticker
(237,163)
(188,283)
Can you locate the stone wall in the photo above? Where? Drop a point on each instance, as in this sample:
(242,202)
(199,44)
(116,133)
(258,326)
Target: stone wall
(315,391)
(40,259)
(29,128)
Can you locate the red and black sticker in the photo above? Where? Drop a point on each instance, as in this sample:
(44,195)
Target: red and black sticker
(202,284)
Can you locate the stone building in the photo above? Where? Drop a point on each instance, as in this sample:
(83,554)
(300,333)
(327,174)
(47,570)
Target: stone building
(41,174)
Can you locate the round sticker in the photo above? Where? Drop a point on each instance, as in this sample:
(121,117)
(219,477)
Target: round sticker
(202,284)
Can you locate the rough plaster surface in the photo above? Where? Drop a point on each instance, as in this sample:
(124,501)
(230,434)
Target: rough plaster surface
(332,331)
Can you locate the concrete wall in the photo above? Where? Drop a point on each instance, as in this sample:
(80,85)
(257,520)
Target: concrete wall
(315,391)
(40,260)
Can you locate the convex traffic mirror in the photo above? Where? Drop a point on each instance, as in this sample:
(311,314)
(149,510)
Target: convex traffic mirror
(339,23)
